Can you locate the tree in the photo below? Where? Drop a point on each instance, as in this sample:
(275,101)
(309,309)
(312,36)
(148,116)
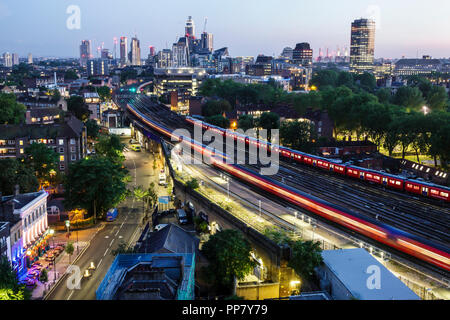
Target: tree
(367,82)
(10,289)
(437,99)
(324,78)
(384,95)
(192,184)
(69,249)
(147,196)
(305,257)
(44,276)
(409,97)
(78,108)
(15,172)
(110,146)
(298,135)
(219,121)
(246,122)
(70,75)
(345,79)
(214,107)
(93,129)
(96,184)
(228,253)
(122,248)
(104,93)
(269,121)
(11,112)
(42,159)
(56,95)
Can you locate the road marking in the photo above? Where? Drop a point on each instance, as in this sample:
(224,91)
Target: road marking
(120,237)
(98,265)
(117,232)
(70,295)
(106,237)
(111,243)
(106,252)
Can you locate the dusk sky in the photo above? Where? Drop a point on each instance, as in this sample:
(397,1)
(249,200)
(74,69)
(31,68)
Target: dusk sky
(246,27)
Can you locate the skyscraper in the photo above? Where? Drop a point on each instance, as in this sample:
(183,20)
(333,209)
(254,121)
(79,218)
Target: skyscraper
(303,54)
(362,46)
(85,52)
(15,59)
(207,41)
(7,59)
(180,53)
(135,52)
(30,58)
(123,51)
(190,28)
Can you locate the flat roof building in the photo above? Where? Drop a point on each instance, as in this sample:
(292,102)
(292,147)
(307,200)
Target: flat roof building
(355,274)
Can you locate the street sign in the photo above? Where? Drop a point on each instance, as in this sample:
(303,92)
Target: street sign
(164,200)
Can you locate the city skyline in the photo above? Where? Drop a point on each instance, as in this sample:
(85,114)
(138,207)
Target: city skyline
(262,30)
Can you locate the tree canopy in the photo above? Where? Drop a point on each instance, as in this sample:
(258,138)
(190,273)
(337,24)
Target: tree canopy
(42,159)
(15,172)
(76,105)
(11,112)
(228,254)
(98,181)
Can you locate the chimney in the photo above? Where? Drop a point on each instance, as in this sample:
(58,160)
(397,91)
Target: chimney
(16,190)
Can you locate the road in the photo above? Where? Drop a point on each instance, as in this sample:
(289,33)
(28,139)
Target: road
(126,228)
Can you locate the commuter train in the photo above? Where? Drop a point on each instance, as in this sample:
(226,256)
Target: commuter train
(414,245)
(376,177)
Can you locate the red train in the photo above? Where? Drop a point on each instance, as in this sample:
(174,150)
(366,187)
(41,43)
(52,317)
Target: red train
(376,177)
(406,242)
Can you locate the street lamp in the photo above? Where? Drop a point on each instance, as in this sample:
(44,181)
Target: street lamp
(52,232)
(425,110)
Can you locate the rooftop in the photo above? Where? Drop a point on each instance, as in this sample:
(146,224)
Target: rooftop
(171,239)
(350,267)
(149,276)
(72,128)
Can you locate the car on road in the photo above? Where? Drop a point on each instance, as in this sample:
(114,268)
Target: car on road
(135,147)
(132,141)
(182,217)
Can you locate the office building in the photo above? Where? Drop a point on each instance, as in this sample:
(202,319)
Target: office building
(190,28)
(178,84)
(164,58)
(302,55)
(98,67)
(7,60)
(15,59)
(362,46)
(85,52)
(135,52)
(288,53)
(180,53)
(207,41)
(413,67)
(123,51)
(30,58)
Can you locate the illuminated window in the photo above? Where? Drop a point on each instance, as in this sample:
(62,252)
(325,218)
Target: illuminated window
(61,142)
(61,158)
(21,142)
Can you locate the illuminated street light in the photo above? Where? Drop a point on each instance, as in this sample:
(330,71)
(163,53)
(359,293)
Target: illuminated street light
(425,110)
